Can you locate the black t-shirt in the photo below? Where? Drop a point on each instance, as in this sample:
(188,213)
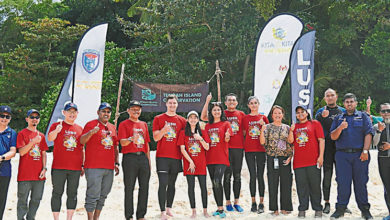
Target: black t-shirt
(327,121)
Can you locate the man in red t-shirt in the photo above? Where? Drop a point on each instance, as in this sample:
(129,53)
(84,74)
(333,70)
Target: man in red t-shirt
(166,129)
(101,158)
(236,149)
(68,156)
(32,148)
(134,138)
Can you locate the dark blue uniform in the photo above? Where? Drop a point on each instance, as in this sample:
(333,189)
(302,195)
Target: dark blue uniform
(349,167)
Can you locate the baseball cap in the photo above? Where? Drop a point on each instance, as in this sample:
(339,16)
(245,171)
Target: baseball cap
(5,108)
(69,106)
(300,107)
(134,103)
(104,105)
(29,112)
(192,113)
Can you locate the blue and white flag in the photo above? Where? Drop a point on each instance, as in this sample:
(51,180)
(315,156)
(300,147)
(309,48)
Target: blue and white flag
(302,73)
(272,57)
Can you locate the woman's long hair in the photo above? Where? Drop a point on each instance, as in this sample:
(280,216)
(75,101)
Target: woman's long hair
(210,115)
(308,115)
(188,132)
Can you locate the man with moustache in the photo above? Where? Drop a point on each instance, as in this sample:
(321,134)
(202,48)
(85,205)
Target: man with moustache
(101,159)
(134,138)
(382,141)
(325,116)
(236,152)
(353,133)
(68,156)
(32,148)
(166,128)
(7,151)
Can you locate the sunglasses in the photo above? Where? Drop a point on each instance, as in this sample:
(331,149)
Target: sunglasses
(216,103)
(5,116)
(106,112)
(385,111)
(34,117)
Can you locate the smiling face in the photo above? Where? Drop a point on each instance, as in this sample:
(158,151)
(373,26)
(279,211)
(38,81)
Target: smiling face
(134,112)
(70,115)
(385,112)
(253,105)
(171,105)
(277,115)
(231,102)
(5,119)
(104,115)
(216,112)
(33,119)
(350,104)
(301,115)
(193,120)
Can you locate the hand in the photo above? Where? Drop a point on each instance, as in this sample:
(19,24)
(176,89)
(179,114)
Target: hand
(82,171)
(363,156)
(320,161)
(368,101)
(116,170)
(95,129)
(135,138)
(381,126)
(325,112)
(59,127)
(263,129)
(192,167)
(209,97)
(37,139)
(286,162)
(385,146)
(227,136)
(344,124)
(166,128)
(292,128)
(198,137)
(42,174)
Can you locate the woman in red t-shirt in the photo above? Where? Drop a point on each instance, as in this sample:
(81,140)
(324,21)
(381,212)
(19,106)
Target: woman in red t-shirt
(194,144)
(309,143)
(217,157)
(254,151)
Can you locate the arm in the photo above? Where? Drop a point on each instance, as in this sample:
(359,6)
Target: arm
(53,134)
(203,115)
(26,148)
(290,138)
(335,134)
(205,144)
(85,137)
(44,169)
(377,136)
(320,159)
(159,134)
(10,154)
(148,154)
(188,158)
(262,136)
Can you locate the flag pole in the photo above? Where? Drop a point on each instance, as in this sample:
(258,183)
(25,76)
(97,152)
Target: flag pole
(118,101)
(218,73)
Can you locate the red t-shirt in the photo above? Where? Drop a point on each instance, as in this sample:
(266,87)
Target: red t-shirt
(30,164)
(306,144)
(219,149)
(129,128)
(67,151)
(252,128)
(235,119)
(167,145)
(100,148)
(196,151)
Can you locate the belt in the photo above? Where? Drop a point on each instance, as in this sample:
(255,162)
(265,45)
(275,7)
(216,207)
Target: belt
(138,153)
(350,150)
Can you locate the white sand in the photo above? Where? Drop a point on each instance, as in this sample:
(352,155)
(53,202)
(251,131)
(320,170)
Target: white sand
(113,208)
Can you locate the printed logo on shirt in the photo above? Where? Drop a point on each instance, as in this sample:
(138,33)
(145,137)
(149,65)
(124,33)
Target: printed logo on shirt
(106,139)
(302,137)
(254,131)
(171,134)
(35,153)
(70,143)
(234,124)
(139,140)
(213,133)
(193,148)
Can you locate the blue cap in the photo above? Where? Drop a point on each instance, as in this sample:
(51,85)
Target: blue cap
(5,108)
(29,112)
(105,105)
(301,107)
(69,106)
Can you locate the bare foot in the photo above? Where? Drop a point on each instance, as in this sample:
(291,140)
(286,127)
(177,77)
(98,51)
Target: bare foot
(163,216)
(275,213)
(206,215)
(169,213)
(284,212)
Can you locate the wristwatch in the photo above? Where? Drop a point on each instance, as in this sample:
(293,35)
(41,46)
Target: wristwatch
(130,139)
(378,131)
(2,158)
(365,151)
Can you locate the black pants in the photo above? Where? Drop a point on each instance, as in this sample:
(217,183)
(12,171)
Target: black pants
(58,178)
(191,189)
(284,176)
(329,162)
(235,158)
(256,166)
(4,183)
(216,172)
(308,181)
(136,167)
(384,171)
(167,171)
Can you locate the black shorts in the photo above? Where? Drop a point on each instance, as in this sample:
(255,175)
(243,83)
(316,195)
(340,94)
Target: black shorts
(169,165)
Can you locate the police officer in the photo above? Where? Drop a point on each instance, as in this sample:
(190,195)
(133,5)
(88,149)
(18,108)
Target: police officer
(382,141)
(352,132)
(325,116)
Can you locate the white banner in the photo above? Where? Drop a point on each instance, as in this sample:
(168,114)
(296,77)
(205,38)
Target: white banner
(88,74)
(272,57)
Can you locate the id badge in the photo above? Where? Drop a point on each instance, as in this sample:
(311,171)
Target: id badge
(276,163)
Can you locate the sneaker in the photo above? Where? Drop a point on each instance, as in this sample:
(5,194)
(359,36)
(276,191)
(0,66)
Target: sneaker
(260,209)
(301,214)
(348,211)
(366,214)
(338,213)
(222,214)
(326,208)
(387,217)
(238,208)
(318,214)
(216,213)
(229,208)
(254,207)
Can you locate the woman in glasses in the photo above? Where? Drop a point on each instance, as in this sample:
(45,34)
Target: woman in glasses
(254,151)
(309,144)
(217,157)
(194,143)
(274,137)
(7,151)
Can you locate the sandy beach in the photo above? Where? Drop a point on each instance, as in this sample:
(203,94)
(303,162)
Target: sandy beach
(113,208)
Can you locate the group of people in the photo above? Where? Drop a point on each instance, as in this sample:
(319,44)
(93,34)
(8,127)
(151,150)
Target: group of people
(337,136)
